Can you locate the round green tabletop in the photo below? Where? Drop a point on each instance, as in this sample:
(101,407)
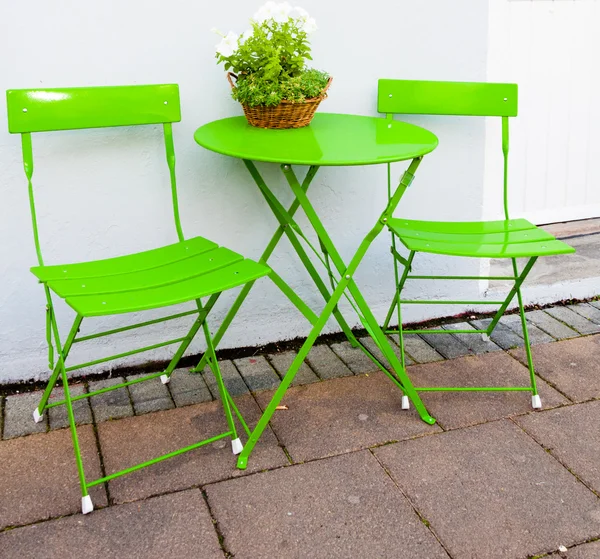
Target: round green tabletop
(330,139)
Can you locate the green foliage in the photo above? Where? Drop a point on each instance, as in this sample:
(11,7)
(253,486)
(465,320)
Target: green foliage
(253,90)
(270,63)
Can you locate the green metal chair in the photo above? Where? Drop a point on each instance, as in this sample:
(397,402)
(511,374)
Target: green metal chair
(182,272)
(507,238)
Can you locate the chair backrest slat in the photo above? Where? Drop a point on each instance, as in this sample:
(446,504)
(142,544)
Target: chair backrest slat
(44,110)
(447,98)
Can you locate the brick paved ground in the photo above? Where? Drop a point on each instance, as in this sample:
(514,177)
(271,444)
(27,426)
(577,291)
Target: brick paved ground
(343,472)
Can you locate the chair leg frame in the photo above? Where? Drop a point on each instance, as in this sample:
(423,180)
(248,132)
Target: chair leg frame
(60,370)
(397,301)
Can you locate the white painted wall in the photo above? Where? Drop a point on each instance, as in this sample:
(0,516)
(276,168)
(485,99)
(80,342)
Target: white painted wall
(551,49)
(114,198)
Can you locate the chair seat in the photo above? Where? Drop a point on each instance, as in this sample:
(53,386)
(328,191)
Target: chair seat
(156,278)
(513,238)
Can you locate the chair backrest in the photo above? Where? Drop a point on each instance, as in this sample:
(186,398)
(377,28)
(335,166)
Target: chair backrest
(452,98)
(46,110)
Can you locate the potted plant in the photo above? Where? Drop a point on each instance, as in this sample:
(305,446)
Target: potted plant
(268,63)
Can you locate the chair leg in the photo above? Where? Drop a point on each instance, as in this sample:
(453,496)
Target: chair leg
(38,412)
(536,401)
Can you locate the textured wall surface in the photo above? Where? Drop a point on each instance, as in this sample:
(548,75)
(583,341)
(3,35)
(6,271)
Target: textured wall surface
(105,192)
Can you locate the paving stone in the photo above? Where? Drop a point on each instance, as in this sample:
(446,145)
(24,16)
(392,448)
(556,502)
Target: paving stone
(536,336)
(281,363)
(59,417)
(137,439)
(574,320)
(368,342)
(571,365)
(150,395)
(419,350)
(491,491)
(572,434)
(473,341)
(459,409)
(177,525)
(257,373)
(39,477)
(502,334)
(336,508)
(447,345)
(343,415)
(188,388)
(231,378)
(354,358)
(326,363)
(595,304)
(18,415)
(585,309)
(584,551)
(549,324)
(110,405)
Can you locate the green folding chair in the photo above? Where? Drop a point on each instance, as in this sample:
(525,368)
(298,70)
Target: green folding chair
(507,238)
(186,271)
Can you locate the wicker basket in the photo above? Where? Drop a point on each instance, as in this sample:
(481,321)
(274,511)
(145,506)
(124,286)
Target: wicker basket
(284,115)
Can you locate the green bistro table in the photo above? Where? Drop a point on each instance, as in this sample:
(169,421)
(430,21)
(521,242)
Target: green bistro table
(330,140)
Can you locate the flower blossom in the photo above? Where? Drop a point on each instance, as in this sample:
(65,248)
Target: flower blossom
(279,13)
(309,26)
(228,45)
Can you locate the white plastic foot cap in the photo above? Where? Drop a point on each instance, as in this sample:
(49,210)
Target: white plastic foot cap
(485,337)
(237,446)
(536,402)
(165,379)
(37,416)
(86,504)
(405,403)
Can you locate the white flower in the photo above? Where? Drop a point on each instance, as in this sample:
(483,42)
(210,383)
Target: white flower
(309,26)
(228,45)
(246,35)
(302,13)
(279,13)
(265,12)
(282,12)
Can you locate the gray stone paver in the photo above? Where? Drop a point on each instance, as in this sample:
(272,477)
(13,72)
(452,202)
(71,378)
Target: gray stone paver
(502,334)
(335,508)
(149,395)
(549,324)
(491,491)
(447,345)
(454,410)
(585,551)
(589,311)
(419,350)
(188,388)
(536,335)
(572,434)
(257,373)
(570,365)
(18,415)
(110,405)
(574,320)
(369,343)
(326,363)
(231,378)
(595,304)
(177,525)
(137,439)
(354,358)
(58,415)
(281,363)
(343,415)
(473,341)
(39,476)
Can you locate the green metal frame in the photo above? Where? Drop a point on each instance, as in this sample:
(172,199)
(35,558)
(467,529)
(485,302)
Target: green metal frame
(76,108)
(456,98)
(342,285)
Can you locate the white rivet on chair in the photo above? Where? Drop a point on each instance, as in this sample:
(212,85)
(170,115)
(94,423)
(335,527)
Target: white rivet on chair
(24,110)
